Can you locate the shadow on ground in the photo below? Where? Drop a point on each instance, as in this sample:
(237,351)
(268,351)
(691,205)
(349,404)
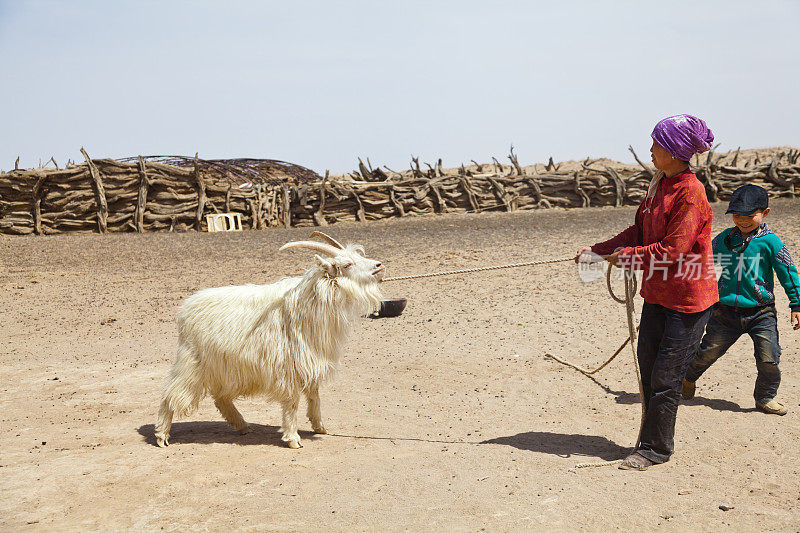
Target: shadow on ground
(211,432)
(719,405)
(564,445)
(630,398)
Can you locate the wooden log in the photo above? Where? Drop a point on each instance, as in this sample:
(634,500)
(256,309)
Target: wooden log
(772,176)
(79,207)
(515,162)
(287,206)
(141,198)
(498,166)
(421,192)
(201,194)
(712,189)
(159,180)
(120,219)
(360,213)
(37,203)
(186,173)
(65,173)
(187,217)
(271,210)
(397,205)
(501,194)
(440,203)
(254,220)
(99,193)
(319,214)
(171,209)
(585,202)
(170,196)
(537,192)
(7,226)
(647,169)
(262,207)
(619,186)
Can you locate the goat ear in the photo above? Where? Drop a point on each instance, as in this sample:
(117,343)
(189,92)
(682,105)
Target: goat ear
(326,265)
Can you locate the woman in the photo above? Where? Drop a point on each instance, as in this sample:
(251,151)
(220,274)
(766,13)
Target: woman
(670,241)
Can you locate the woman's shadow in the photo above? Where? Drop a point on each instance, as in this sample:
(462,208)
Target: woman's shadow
(563,445)
(219,432)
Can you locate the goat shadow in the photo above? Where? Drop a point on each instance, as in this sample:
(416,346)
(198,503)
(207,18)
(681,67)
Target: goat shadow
(564,445)
(630,398)
(220,432)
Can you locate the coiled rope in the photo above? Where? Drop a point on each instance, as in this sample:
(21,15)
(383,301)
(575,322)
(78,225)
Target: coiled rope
(630,293)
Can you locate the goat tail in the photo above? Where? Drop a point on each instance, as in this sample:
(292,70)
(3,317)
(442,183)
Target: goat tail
(182,392)
(184,387)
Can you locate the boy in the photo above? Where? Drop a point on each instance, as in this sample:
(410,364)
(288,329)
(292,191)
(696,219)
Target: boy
(749,253)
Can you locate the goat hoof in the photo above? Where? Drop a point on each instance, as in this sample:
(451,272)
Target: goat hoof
(294,444)
(245,430)
(320,430)
(162,442)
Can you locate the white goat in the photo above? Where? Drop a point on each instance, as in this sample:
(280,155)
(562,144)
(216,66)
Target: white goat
(280,340)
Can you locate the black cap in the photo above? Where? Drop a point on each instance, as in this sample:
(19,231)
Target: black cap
(748,199)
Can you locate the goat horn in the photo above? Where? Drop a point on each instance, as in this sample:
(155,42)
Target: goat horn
(321,247)
(330,240)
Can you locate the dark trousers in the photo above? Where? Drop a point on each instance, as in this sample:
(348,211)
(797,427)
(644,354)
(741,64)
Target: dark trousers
(725,327)
(668,341)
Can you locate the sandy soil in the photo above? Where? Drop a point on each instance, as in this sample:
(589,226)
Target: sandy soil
(448,417)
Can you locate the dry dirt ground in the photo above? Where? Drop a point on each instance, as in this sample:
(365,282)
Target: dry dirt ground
(446,418)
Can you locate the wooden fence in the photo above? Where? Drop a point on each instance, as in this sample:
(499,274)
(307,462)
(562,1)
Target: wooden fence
(144,195)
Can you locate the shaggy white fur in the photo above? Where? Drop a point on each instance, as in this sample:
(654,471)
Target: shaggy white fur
(278,340)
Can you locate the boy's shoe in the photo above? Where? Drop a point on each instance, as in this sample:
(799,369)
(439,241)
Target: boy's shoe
(687,391)
(772,407)
(636,461)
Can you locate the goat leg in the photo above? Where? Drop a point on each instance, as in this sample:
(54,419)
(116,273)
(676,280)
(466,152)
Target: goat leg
(289,426)
(314,412)
(232,415)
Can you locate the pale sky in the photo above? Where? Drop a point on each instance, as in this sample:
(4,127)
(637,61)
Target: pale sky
(322,83)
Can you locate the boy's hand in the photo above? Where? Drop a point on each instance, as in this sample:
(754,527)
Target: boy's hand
(794,318)
(613,259)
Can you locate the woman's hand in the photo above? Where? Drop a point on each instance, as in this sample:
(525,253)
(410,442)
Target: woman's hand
(794,318)
(582,251)
(613,259)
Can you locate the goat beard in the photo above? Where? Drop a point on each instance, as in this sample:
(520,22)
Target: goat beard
(360,299)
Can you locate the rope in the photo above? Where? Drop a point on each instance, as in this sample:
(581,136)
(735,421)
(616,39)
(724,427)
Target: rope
(478,269)
(630,294)
(586,371)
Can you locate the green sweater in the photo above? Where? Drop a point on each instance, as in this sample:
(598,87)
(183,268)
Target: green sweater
(747,266)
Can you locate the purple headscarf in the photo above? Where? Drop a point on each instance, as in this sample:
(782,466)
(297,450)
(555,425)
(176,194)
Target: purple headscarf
(683,136)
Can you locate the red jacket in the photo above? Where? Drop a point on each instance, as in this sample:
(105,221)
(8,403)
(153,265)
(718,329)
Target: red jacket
(670,242)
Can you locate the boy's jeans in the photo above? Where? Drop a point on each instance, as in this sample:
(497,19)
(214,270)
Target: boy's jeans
(668,341)
(725,327)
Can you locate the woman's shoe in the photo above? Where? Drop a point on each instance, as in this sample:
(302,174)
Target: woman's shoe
(772,407)
(636,461)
